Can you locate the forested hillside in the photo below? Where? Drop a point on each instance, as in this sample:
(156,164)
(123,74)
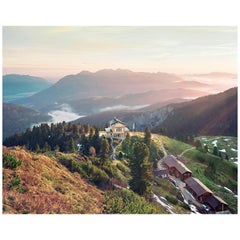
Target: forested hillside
(210,115)
(61,152)
(17,119)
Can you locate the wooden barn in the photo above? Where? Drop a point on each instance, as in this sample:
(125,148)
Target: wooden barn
(198,189)
(216,203)
(176,168)
(117,129)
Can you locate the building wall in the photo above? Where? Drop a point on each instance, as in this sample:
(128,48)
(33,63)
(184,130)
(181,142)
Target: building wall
(204,196)
(117,131)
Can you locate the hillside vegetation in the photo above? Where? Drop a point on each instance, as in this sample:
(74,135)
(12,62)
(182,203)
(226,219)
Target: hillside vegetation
(220,175)
(42,184)
(65,162)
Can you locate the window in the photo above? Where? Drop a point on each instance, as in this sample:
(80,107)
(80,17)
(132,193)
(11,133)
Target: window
(119,129)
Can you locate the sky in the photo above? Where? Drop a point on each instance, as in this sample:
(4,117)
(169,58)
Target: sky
(53,52)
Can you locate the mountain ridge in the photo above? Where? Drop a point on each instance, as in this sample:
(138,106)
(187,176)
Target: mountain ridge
(16,86)
(156,117)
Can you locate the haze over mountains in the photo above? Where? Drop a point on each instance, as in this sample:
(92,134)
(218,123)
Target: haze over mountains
(138,97)
(88,92)
(210,115)
(17,86)
(17,119)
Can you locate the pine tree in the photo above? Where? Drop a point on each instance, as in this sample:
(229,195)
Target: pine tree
(72,147)
(104,151)
(85,144)
(96,141)
(215,150)
(37,148)
(147,137)
(90,137)
(46,147)
(141,170)
(56,148)
(126,145)
(198,145)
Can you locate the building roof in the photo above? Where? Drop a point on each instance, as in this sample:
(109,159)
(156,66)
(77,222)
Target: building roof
(198,187)
(108,129)
(171,161)
(115,120)
(214,201)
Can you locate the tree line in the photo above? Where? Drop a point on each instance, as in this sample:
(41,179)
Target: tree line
(70,138)
(64,137)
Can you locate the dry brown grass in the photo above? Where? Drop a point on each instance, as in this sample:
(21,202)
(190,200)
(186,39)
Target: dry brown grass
(47,187)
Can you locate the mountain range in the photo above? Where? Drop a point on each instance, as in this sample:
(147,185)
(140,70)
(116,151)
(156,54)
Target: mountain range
(87,92)
(145,99)
(17,86)
(210,115)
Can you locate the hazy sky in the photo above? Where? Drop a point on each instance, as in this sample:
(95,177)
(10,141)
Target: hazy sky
(53,52)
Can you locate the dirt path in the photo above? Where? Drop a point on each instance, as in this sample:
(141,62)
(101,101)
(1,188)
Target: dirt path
(156,137)
(186,151)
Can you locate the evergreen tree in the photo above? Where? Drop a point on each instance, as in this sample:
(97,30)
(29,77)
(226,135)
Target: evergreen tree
(104,151)
(198,145)
(126,145)
(227,158)
(75,131)
(56,148)
(90,137)
(85,144)
(72,147)
(96,141)
(141,170)
(46,147)
(37,149)
(215,150)
(147,137)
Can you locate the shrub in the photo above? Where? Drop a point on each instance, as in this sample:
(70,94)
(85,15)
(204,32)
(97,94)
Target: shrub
(16,182)
(10,161)
(86,170)
(172,199)
(125,201)
(122,168)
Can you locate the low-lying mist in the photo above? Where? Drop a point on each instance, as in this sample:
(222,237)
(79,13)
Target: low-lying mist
(65,113)
(122,107)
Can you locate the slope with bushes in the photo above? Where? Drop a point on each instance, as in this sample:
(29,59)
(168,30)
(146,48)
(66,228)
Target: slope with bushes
(35,183)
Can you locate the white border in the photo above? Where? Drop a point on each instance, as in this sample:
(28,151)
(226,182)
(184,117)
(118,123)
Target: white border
(120,13)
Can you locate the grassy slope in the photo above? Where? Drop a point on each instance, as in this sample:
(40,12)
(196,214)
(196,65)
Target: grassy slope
(223,142)
(197,162)
(47,187)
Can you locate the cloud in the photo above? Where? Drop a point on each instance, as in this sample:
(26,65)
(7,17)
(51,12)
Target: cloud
(122,107)
(65,113)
